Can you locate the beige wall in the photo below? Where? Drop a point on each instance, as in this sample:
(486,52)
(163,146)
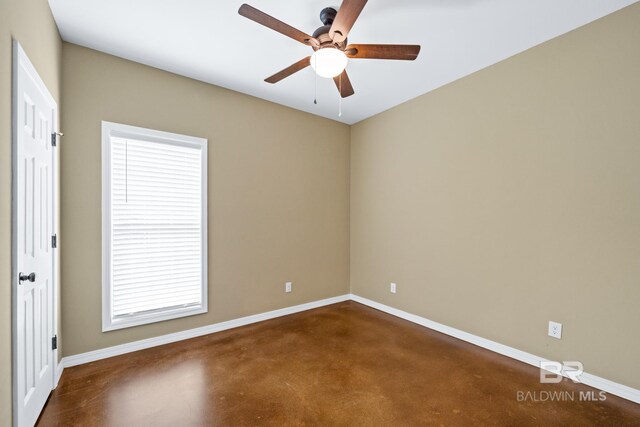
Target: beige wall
(497,203)
(31,23)
(278,193)
(512,197)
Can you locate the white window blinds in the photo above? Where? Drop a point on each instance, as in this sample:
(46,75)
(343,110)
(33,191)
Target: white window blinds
(156,230)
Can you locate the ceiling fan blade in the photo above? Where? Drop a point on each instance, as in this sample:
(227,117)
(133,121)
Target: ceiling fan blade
(383,51)
(347,15)
(344,84)
(279,26)
(294,68)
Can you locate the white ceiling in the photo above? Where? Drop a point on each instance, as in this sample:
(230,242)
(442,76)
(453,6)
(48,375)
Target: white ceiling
(207,40)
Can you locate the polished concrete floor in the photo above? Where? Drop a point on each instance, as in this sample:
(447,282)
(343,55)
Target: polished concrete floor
(340,365)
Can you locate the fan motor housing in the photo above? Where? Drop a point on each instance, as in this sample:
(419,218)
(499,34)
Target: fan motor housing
(327,16)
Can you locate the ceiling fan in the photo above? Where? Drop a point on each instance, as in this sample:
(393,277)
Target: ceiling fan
(329,42)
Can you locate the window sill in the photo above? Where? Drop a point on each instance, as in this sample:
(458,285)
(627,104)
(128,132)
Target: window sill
(145,319)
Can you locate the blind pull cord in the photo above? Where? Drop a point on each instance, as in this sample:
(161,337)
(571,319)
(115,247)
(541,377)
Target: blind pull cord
(126,171)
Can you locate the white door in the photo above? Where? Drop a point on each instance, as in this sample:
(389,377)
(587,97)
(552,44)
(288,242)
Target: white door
(34,114)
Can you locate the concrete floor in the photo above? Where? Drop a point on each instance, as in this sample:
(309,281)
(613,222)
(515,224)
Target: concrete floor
(340,365)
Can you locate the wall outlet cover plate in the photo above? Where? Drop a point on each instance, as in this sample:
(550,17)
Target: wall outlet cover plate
(555,330)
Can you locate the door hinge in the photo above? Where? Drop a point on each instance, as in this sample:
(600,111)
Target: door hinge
(54,138)
(54,342)
(54,241)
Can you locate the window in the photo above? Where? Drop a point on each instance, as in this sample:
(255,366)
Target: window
(154,216)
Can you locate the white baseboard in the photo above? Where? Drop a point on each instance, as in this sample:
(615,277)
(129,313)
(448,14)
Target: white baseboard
(117,350)
(59,369)
(586,378)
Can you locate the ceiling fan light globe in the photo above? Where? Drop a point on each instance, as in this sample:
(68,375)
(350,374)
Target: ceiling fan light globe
(328,62)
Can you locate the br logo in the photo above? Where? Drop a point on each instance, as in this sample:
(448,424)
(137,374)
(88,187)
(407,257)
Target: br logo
(551,372)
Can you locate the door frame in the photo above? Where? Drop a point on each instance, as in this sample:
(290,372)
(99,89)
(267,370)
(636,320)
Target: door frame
(19,56)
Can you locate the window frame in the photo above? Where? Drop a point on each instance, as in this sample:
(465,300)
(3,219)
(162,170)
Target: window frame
(109,130)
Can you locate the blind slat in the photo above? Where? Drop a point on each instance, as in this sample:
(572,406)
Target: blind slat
(134,280)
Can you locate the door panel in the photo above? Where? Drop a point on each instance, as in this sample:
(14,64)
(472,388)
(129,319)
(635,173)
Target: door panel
(34,116)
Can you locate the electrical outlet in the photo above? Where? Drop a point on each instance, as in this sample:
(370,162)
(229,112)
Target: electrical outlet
(555,329)
(287,287)
(392,288)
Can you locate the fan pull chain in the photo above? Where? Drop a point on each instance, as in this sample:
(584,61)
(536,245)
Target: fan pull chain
(340,98)
(315,93)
